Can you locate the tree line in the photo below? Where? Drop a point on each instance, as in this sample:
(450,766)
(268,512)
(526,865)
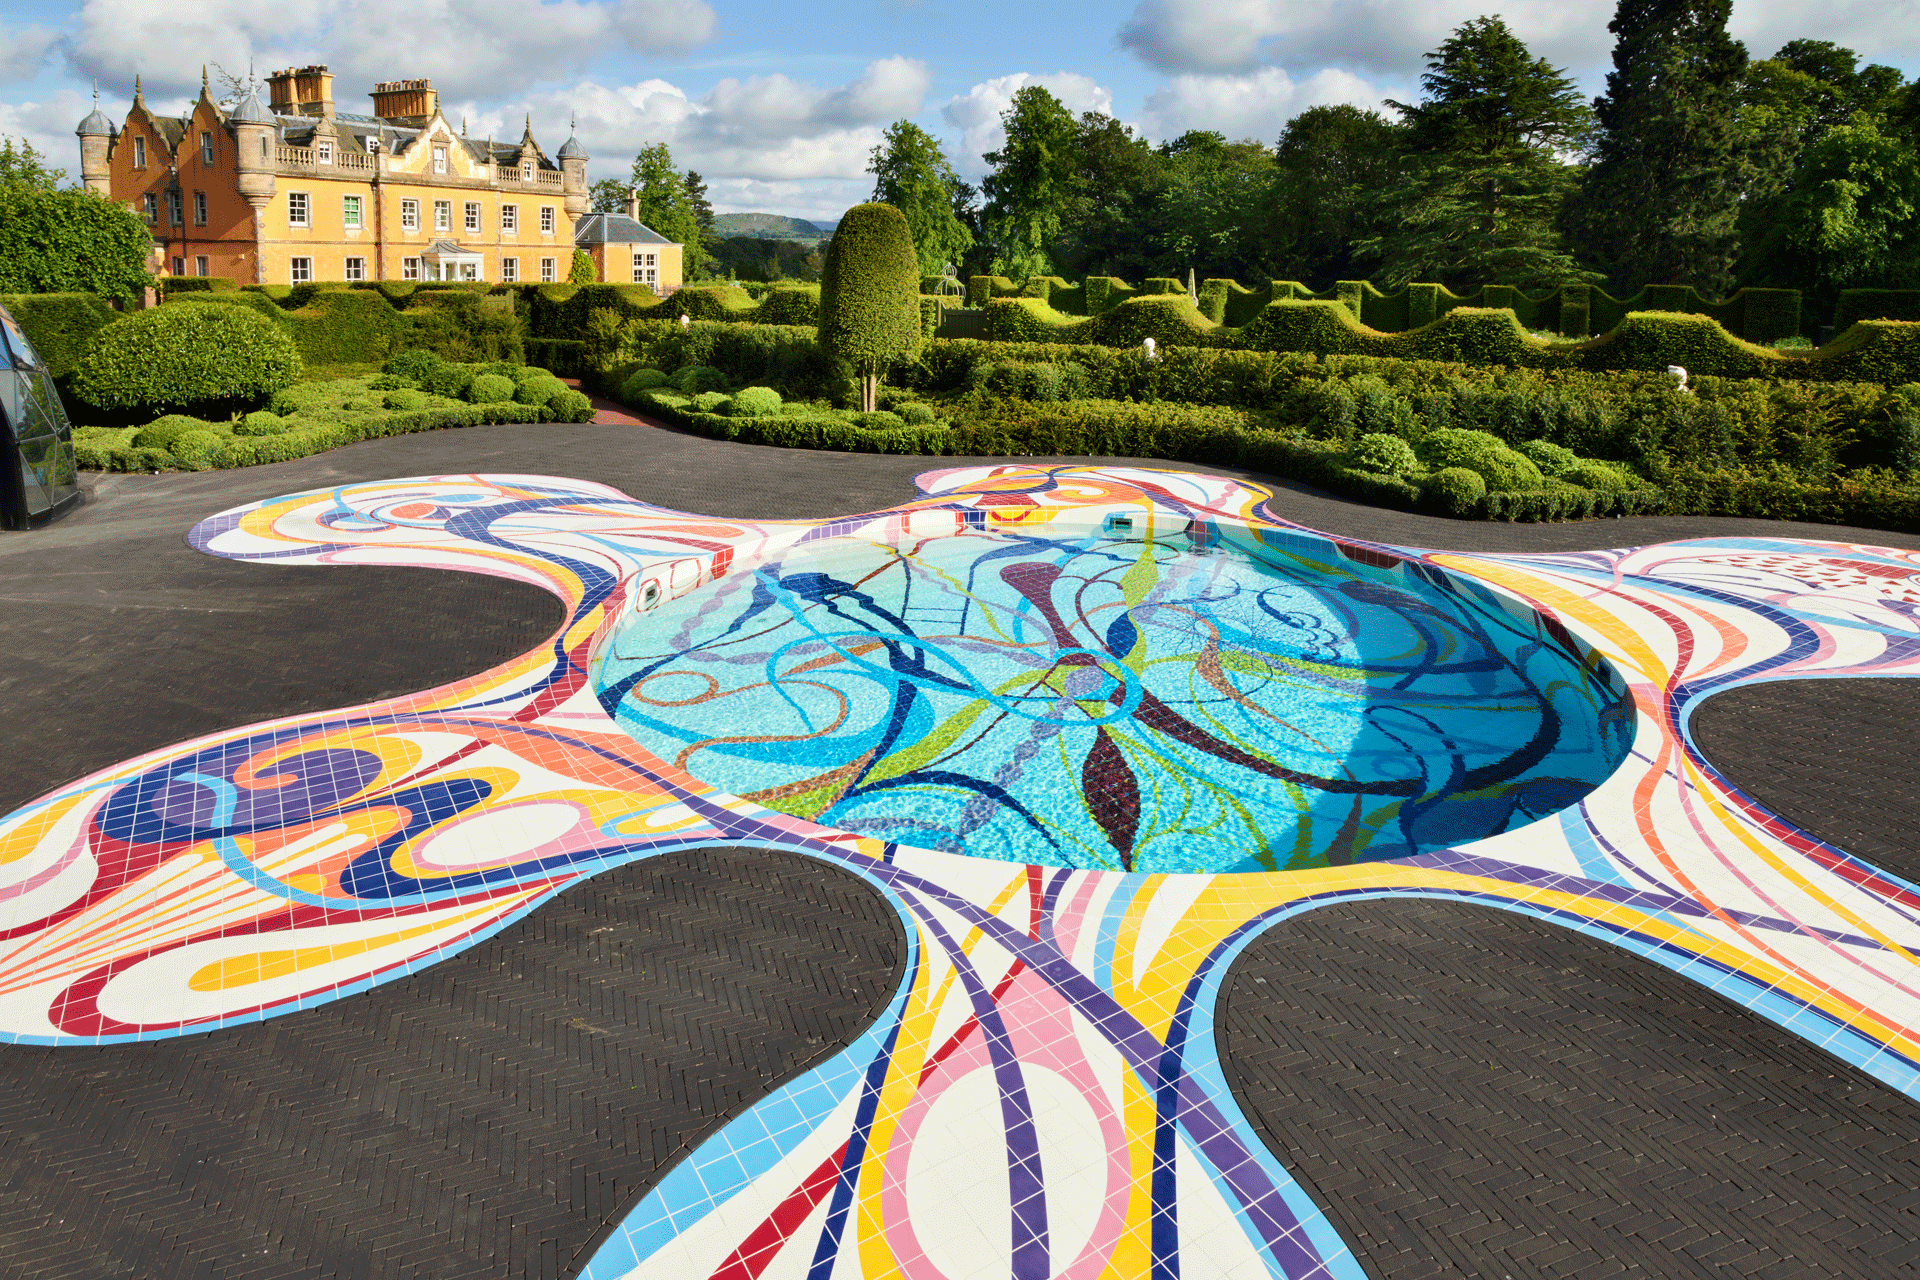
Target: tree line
(1698,165)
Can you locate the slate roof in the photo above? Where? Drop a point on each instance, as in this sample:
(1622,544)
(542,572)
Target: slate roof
(614,228)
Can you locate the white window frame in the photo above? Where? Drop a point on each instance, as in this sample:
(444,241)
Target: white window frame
(470,271)
(356,269)
(206,147)
(472,218)
(200,265)
(548,274)
(409,215)
(639,269)
(299,209)
(409,268)
(510,218)
(443,215)
(546,220)
(350,213)
(439,159)
(300,270)
(139,153)
(199,208)
(509,271)
(323,151)
(526,171)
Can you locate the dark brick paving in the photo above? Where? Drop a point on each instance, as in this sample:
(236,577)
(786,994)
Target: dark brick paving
(1835,757)
(1471,1092)
(484,1118)
(364,1138)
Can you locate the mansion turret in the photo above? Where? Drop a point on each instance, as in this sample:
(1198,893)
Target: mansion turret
(296,191)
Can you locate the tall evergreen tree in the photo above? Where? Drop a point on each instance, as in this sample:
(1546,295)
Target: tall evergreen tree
(1032,182)
(1660,203)
(911,173)
(1483,153)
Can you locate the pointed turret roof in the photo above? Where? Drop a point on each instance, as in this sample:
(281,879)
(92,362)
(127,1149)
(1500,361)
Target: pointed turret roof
(250,112)
(96,125)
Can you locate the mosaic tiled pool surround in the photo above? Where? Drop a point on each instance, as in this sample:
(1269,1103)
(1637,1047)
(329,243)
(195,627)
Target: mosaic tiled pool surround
(1093,691)
(1042,1096)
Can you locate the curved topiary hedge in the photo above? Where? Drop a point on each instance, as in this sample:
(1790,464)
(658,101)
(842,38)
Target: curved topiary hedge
(185,355)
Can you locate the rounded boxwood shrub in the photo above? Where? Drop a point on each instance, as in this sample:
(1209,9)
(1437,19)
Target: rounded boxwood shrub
(198,450)
(450,379)
(490,388)
(1502,468)
(1552,459)
(261,422)
(162,432)
(697,378)
(538,391)
(1590,473)
(1455,490)
(642,380)
(183,356)
(571,406)
(916,414)
(1388,455)
(712,402)
(755,402)
(414,366)
(879,419)
(406,400)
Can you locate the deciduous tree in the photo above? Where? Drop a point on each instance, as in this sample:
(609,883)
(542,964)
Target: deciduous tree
(1032,181)
(911,173)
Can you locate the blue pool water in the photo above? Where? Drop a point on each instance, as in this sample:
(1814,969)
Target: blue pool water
(1209,703)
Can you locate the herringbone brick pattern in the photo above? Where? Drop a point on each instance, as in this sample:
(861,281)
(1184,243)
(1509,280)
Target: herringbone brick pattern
(1835,757)
(1470,1092)
(483,1118)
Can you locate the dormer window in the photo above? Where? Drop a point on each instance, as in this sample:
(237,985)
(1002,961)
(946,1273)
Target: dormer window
(323,152)
(439,159)
(373,145)
(526,171)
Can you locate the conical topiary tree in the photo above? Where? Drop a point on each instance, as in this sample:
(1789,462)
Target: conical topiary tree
(870,294)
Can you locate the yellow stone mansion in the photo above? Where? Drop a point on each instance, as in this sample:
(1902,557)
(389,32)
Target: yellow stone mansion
(299,192)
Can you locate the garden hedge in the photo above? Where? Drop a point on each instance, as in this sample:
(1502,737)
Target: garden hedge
(1758,315)
(60,325)
(171,286)
(1879,351)
(184,355)
(1875,304)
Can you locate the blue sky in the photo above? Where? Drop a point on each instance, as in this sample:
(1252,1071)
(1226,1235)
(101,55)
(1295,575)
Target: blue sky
(778,104)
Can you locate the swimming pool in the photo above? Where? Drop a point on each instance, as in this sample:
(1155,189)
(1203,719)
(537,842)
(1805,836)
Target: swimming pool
(1096,693)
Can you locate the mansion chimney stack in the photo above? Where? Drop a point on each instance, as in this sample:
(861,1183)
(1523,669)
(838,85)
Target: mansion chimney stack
(301,91)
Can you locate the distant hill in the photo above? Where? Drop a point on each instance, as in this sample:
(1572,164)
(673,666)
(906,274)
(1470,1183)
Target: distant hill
(768,226)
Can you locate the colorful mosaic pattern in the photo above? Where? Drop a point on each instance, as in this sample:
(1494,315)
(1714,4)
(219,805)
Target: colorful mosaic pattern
(1170,696)
(1041,1097)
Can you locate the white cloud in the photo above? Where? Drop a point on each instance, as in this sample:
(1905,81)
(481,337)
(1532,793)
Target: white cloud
(976,113)
(1887,31)
(1255,105)
(775,106)
(764,128)
(664,26)
(480,48)
(1384,36)
(23,50)
(48,127)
